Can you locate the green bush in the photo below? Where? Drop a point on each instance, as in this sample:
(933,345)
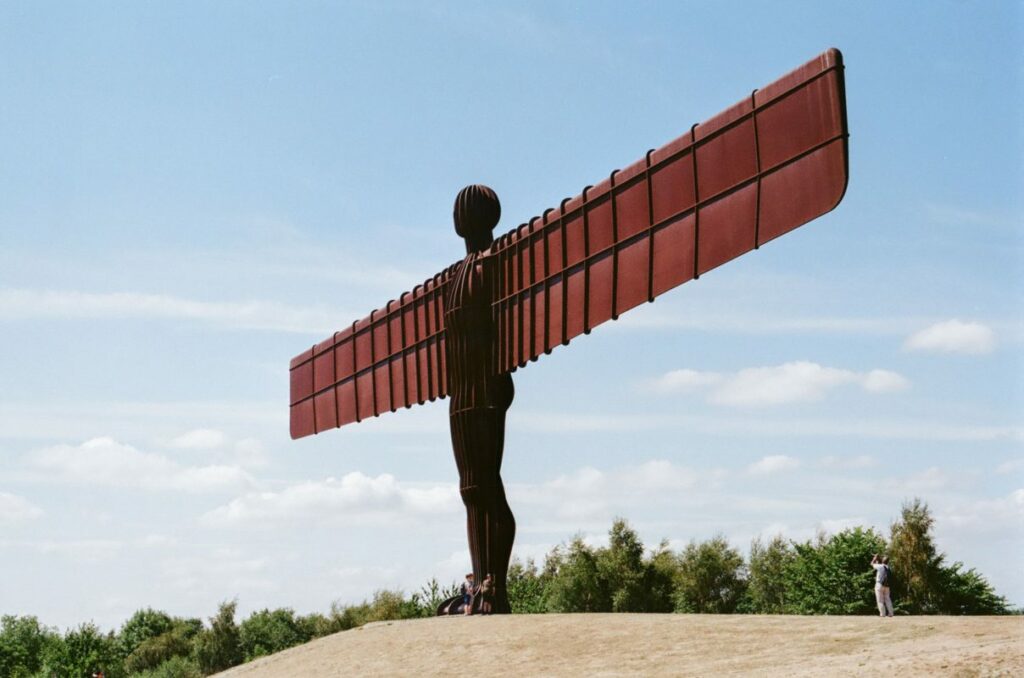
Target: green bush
(157,650)
(269,631)
(833,575)
(219,647)
(23,644)
(575,583)
(526,588)
(175,667)
(83,651)
(142,626)
(711,577)
(766,580)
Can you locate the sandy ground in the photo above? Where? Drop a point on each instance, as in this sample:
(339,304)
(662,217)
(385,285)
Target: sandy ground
(661,645)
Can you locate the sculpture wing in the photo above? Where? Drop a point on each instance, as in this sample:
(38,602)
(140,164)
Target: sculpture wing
(770,163)
(393,358)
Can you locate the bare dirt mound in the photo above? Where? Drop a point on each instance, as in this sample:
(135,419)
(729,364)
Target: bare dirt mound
(662,645)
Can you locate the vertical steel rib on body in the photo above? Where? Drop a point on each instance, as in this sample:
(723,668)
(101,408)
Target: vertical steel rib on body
(479,398)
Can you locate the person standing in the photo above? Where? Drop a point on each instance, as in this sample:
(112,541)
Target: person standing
(882,578)
(468,589)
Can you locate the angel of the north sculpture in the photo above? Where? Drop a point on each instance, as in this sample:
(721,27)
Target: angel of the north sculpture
(771,162)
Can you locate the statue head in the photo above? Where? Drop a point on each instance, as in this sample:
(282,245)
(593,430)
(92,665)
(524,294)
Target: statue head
(476,213)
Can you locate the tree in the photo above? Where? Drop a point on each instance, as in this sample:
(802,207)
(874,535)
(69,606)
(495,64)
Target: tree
(575,582)
(431,595)
(766,584)
(527,588)
(269,631)
(175,667)
(219,647)
(84,650)
(156,651)
(661,570)
(832,575)
(23,642)
(915,561)
(711,577)
(967,592)
(141,626)
(621,567)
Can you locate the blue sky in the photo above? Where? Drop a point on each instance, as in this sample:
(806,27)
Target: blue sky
(191,194)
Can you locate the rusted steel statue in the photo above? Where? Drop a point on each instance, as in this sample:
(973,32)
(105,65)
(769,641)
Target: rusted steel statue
(759,169)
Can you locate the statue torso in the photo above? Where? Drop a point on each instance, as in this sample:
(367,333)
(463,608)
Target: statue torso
(470,338)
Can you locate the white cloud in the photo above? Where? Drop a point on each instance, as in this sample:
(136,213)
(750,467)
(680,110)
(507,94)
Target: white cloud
(106,462)
(797,382)
(589,492)
(249,453)
(683,381)
(20,304)
(953,336)
(15,510)
(792,382)
(884,381)
(773,464)
(1000,515)
(199,439)
(356,497)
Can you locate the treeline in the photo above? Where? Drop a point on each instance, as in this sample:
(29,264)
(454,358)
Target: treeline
(827,575)
(154,644)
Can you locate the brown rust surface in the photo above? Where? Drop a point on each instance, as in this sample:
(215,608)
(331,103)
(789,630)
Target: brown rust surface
(766,165)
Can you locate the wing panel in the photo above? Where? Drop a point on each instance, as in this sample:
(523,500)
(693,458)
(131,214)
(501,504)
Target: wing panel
(799,192)
(632,280)
(393,358)
(769,163)
(673,255)
(727,228)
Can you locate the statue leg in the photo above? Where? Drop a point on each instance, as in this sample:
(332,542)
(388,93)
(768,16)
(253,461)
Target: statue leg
(478,439)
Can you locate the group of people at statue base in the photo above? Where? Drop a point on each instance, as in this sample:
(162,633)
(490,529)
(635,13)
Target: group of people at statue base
(883,579)
(478,597)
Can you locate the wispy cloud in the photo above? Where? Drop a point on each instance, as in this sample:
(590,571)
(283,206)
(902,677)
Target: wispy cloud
(793,382)
(108,463)
(15,510)
(953,336)
(773,464)
(753,323)
(23,304)
(355,496)
(199,439)
(589,492)
(775,426)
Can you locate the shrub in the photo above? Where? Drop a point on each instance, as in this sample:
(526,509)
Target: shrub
(269,631)
(175,667)
(711,577)
(526,588)
(219,648)
(23,644)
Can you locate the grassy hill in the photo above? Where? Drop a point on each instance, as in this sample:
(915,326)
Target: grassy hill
(649,644)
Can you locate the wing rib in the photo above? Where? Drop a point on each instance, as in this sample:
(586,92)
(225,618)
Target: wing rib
(768,164)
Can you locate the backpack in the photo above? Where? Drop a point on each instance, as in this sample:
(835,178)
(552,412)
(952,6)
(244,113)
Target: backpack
(886,576)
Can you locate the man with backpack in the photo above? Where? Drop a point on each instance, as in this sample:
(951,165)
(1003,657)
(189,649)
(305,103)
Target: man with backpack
(883,578)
